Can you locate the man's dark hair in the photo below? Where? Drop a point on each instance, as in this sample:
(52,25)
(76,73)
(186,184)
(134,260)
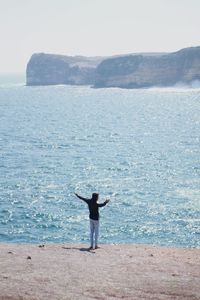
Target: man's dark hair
(95,196)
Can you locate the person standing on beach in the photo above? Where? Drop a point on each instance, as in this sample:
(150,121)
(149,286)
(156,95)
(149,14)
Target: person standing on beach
(94,217)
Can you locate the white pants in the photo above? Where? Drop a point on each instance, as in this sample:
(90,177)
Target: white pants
(94,232)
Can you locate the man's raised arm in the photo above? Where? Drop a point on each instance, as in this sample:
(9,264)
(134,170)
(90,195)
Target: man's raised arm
(84,199)
(104,203)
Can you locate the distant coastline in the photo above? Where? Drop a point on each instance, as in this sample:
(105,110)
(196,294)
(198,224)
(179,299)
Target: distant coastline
(141,70)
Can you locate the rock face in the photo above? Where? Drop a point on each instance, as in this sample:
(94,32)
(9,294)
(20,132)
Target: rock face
(50,69)
(137,71)
(128,71)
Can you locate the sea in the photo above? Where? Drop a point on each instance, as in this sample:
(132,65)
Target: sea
(140,148)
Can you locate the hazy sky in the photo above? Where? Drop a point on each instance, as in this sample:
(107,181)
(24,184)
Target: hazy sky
(94,27)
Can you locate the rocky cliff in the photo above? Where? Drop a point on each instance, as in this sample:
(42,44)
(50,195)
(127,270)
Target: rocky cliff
(128,71)
(49,69)
(135,71)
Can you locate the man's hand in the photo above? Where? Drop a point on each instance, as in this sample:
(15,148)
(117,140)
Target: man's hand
(107,200)
(76,194)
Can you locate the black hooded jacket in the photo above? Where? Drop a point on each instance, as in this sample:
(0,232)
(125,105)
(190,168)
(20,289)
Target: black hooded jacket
(93,207)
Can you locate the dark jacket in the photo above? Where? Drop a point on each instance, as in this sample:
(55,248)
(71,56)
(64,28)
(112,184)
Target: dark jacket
(93,207)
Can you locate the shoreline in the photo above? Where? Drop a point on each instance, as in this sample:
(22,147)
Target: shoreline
(70,271)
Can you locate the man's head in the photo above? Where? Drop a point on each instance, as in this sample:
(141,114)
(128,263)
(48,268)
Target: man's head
(95,197)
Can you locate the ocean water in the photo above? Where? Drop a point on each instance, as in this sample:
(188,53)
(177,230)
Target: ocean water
(140,148)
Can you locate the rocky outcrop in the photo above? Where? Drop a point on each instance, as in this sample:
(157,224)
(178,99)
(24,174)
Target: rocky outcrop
(50,69)
(137,71)
(128,71)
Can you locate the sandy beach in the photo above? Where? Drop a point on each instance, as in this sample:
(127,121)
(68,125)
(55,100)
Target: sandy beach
(56,271)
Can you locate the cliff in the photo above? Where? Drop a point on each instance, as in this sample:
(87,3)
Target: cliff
(128,71)
(136,71)
(49,69)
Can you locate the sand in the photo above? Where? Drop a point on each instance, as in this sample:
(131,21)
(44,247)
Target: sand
(111,272)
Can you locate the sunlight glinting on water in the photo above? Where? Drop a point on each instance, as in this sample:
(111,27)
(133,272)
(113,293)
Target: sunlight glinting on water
(138,147)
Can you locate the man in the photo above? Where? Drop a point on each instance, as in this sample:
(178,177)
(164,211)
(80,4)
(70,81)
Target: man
(94,217)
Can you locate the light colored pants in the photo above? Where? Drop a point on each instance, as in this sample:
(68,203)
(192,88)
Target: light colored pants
(94,232)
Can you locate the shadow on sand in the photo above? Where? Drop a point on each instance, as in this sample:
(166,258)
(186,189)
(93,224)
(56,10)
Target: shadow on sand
(80,249)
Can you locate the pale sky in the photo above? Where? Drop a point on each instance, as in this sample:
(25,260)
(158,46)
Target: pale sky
(94,28)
